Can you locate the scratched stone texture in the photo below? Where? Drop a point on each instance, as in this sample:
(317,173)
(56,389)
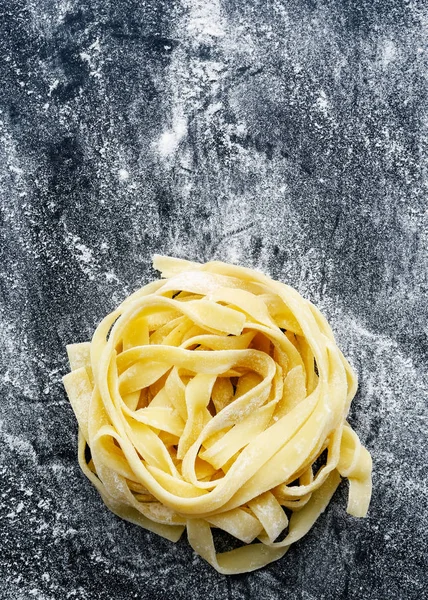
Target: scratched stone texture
(287,136)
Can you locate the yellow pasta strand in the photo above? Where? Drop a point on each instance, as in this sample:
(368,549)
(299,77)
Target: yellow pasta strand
(206,399)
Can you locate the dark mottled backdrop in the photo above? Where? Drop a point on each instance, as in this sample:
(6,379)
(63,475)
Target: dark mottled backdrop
(289,136)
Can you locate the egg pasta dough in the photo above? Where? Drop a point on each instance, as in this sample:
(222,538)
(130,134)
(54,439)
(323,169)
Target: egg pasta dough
(207,399)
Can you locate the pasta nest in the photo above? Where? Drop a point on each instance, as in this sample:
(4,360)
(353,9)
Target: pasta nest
(206,400)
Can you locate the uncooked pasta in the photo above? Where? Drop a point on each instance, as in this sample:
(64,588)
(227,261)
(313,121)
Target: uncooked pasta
(216,397)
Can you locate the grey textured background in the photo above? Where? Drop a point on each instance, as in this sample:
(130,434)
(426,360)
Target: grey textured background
(286,136)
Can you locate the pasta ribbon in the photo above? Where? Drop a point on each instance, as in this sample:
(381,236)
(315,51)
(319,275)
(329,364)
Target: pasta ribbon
(217,397)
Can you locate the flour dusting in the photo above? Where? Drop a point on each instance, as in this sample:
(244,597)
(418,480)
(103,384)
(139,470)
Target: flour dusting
(286,137)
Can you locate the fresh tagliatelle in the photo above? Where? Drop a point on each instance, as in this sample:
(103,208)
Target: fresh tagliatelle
(207,399)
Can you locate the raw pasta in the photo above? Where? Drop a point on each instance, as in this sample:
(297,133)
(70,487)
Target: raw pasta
(207,399)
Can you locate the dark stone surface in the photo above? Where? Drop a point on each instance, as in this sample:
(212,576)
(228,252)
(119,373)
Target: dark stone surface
(286,136)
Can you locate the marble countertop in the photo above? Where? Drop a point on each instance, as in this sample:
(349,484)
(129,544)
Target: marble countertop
(285,136)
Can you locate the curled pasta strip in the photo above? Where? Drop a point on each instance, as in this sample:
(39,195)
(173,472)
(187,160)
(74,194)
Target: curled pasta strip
(207,400)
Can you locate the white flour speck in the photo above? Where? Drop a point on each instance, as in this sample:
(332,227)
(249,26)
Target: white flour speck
(169,140)
(53,87)
(123,174)
(389,52)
